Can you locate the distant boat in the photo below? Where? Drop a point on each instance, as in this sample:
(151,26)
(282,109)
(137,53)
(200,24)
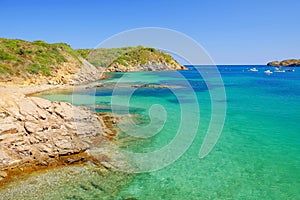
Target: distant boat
(253,69)
(277,69)
(268,72)
(289,70)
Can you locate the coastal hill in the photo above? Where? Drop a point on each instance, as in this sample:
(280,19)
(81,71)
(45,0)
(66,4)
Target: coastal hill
(289,62)
(32,63)
(127,59)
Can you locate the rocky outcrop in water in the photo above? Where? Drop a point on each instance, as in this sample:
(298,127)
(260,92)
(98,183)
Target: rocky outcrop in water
(35,132)
(285,63)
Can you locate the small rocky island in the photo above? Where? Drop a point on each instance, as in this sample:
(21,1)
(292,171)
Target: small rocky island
(285,63)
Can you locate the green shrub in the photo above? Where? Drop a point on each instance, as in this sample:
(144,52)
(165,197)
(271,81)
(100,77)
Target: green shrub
(151,49)
(11,44)
(168,60)
(84,53)
(6,56)
(21,52)
(40,43)
(16,54)
(36,69)
(67,48)
(5,69)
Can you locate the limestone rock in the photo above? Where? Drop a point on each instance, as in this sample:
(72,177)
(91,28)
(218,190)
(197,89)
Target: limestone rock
(42,103)
(64,110)
(27,107)
(32,127)
(63,143)
(37,131)
(8,128)
(3,175)
(42,114)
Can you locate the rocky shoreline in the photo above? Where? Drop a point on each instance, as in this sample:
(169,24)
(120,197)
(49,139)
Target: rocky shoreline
(36,133)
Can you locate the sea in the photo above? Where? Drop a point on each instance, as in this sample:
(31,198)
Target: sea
(209,132)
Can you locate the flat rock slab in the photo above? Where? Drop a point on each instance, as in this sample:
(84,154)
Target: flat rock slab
(34,130)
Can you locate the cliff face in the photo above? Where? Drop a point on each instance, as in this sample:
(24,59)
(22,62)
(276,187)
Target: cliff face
(130,59)
(290,62)
(32,63)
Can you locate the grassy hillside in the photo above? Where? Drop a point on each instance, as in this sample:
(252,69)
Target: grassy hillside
(103,57)
(41,63)
(126,56)
(23,58)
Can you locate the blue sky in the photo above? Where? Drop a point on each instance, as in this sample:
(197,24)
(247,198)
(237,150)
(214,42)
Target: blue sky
(231,31)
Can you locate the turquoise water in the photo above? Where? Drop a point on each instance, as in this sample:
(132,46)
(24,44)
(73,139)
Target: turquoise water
(257,155)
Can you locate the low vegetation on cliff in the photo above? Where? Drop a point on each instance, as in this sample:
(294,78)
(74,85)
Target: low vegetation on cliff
(36,63)
(19,57)
(130,59)
(41,63)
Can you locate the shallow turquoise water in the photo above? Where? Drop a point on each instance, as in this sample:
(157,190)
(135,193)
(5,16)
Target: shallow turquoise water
(257,155)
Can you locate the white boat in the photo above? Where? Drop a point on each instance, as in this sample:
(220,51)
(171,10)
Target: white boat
(277,69)
(253,69)
(268,72)
(289,70)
